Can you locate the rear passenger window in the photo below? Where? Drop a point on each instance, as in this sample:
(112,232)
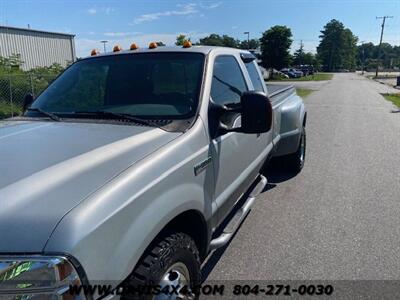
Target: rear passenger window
(228,82)
(254,76)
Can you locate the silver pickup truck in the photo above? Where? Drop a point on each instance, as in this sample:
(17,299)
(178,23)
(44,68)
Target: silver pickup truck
(132,166)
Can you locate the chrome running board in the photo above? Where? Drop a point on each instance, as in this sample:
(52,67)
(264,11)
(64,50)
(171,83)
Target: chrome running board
(238,218)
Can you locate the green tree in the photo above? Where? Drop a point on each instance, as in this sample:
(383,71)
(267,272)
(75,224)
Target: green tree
(338,47)
(396,53)
(20,82)
(254,44)
(317,63)
(309,58)
(299,56)
(212,40)
(304,58)
(388,55)
(221,41)
(13,62)
(180,39)
(368,53)
(275,45)
(349,50)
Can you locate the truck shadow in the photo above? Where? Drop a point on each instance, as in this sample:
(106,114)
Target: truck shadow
(276,174)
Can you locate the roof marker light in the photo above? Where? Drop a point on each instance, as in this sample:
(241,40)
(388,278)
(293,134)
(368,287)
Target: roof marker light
(153,45)
(117,48)
(187,44)
(134,46)
(94,52)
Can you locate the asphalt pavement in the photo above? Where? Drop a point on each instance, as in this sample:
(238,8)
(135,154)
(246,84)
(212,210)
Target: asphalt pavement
(313,85)
(340,217)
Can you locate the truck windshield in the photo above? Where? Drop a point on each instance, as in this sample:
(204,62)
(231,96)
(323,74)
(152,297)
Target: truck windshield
(147,85)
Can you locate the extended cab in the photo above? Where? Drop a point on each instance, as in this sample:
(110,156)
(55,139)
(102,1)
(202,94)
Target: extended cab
(132,166)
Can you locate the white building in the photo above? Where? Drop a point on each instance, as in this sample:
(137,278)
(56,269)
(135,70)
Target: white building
(37,48)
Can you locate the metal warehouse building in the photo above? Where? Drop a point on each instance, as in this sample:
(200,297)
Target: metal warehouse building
(37,48)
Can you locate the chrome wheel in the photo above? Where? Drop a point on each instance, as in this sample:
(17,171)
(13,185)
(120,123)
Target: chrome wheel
(176,280)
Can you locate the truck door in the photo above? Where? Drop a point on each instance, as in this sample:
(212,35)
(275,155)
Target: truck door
(233,154)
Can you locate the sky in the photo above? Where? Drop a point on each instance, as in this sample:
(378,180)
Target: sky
(142,21)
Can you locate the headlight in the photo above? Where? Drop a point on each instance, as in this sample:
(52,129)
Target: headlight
(37,277)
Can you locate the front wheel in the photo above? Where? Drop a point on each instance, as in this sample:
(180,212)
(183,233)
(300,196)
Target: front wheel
(171,264)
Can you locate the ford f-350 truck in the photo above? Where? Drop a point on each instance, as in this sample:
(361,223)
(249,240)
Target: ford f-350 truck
(130,166)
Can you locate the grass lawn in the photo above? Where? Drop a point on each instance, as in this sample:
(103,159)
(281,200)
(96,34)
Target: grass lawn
(5,110)
(304,92)
(315,77)
(395,98)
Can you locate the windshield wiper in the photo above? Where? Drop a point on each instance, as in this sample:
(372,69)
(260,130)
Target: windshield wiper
(45,113)
(114,115)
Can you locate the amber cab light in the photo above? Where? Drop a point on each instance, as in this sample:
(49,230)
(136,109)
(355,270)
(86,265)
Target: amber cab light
(117,48)
(153,45)
(187,44)
(94,52)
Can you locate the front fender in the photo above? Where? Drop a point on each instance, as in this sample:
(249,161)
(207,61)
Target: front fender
(108,232)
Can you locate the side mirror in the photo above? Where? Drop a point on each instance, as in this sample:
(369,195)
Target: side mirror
(28,100)
(256,112)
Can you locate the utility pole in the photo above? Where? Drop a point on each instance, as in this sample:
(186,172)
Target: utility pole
(380,42)
(248,39)
(104,45)
(301,52)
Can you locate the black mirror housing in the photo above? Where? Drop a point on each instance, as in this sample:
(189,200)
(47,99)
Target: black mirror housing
(28,100)
(256,112)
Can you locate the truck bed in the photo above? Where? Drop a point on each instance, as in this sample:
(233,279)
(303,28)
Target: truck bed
(274,89)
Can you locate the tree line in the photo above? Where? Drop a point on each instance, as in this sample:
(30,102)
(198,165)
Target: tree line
(15,83)
(221,41)
(337,49)
(367,55)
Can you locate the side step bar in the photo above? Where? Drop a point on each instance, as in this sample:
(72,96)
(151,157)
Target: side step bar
(238,218)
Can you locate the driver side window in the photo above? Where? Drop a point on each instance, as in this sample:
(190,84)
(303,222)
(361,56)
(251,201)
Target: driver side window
(228,82)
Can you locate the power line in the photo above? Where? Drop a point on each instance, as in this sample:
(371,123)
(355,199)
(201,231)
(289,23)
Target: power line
(380,42)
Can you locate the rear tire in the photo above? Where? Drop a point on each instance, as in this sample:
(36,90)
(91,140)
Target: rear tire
(295,161)
(171,260)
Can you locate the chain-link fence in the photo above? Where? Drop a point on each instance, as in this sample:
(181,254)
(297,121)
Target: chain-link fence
(14,87)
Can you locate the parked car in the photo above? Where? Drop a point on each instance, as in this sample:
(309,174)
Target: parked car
(292,73)
(285,70)
(297,72)
(279,74)
(306,69)
(127,168)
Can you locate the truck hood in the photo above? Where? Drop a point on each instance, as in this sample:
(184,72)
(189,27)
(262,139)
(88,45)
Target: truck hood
(48,168)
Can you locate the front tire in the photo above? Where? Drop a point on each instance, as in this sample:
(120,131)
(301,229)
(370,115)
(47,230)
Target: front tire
(173,259)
